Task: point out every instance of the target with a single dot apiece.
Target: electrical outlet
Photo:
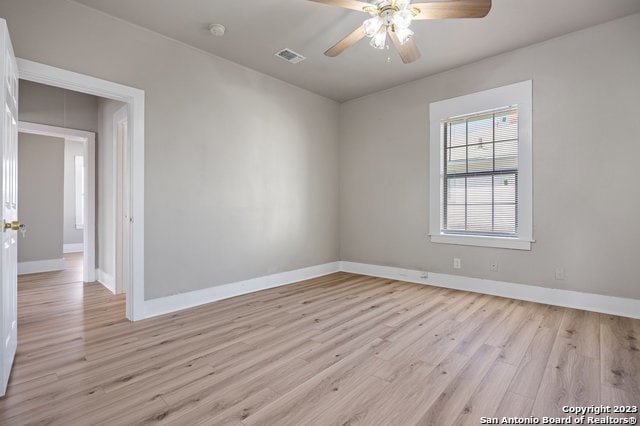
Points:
(424, 275)
(494, 266)
(457, 263)
(560, 275)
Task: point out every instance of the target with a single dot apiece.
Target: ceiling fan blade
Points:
(346, 42)
(408, 51)
(347, 4)
(452, 9)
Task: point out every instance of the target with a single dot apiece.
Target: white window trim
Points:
(78, 189)
(514, 94)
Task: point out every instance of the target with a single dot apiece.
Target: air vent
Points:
(290, 56)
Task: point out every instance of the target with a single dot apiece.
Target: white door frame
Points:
(45, 74)
(120, 203)
(88, 140)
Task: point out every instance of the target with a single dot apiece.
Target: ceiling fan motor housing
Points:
(386, 13)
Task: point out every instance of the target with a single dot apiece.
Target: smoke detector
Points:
(217, 30)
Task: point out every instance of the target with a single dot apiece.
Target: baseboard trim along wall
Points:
(551, 296)
(106, 280)
(36, 266)
(73, 248)
(570, 299)
(165, 305)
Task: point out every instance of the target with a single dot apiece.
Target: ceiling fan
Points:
(392, 18)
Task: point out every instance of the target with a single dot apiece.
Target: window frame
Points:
(518, 94)
(78, 190)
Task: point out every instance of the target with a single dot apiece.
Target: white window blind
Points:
(480, 174)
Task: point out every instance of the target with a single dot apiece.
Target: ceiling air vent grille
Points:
(290, 56)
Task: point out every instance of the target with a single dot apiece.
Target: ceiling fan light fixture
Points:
(372, 26)
(403, 18)
(404, 34)
(379, 40)
(397, 16)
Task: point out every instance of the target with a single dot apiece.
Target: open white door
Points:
(9, 189)
(122, 200)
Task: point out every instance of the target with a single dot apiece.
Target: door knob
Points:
(14, 226)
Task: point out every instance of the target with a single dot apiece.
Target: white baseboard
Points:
(570, 299)
(106, 280)
(36, 266)
(551, 296)
(73, 248)
(165, 305)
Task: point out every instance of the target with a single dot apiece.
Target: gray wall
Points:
(585, 143)
(40, 196)
(241, 172)
(57, 107)
(71, 234)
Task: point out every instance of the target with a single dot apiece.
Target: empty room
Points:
(319, 212)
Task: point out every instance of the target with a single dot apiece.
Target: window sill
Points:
(482, 241)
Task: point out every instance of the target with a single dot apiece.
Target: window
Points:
(480, 149)
(79, 191)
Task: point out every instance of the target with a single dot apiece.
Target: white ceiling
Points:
(257, 29)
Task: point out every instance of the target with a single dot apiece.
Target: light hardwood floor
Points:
(342, 349)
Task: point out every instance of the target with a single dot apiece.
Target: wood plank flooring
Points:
(342, 349)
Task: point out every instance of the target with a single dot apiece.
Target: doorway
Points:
(87, 139)
(133, 234)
